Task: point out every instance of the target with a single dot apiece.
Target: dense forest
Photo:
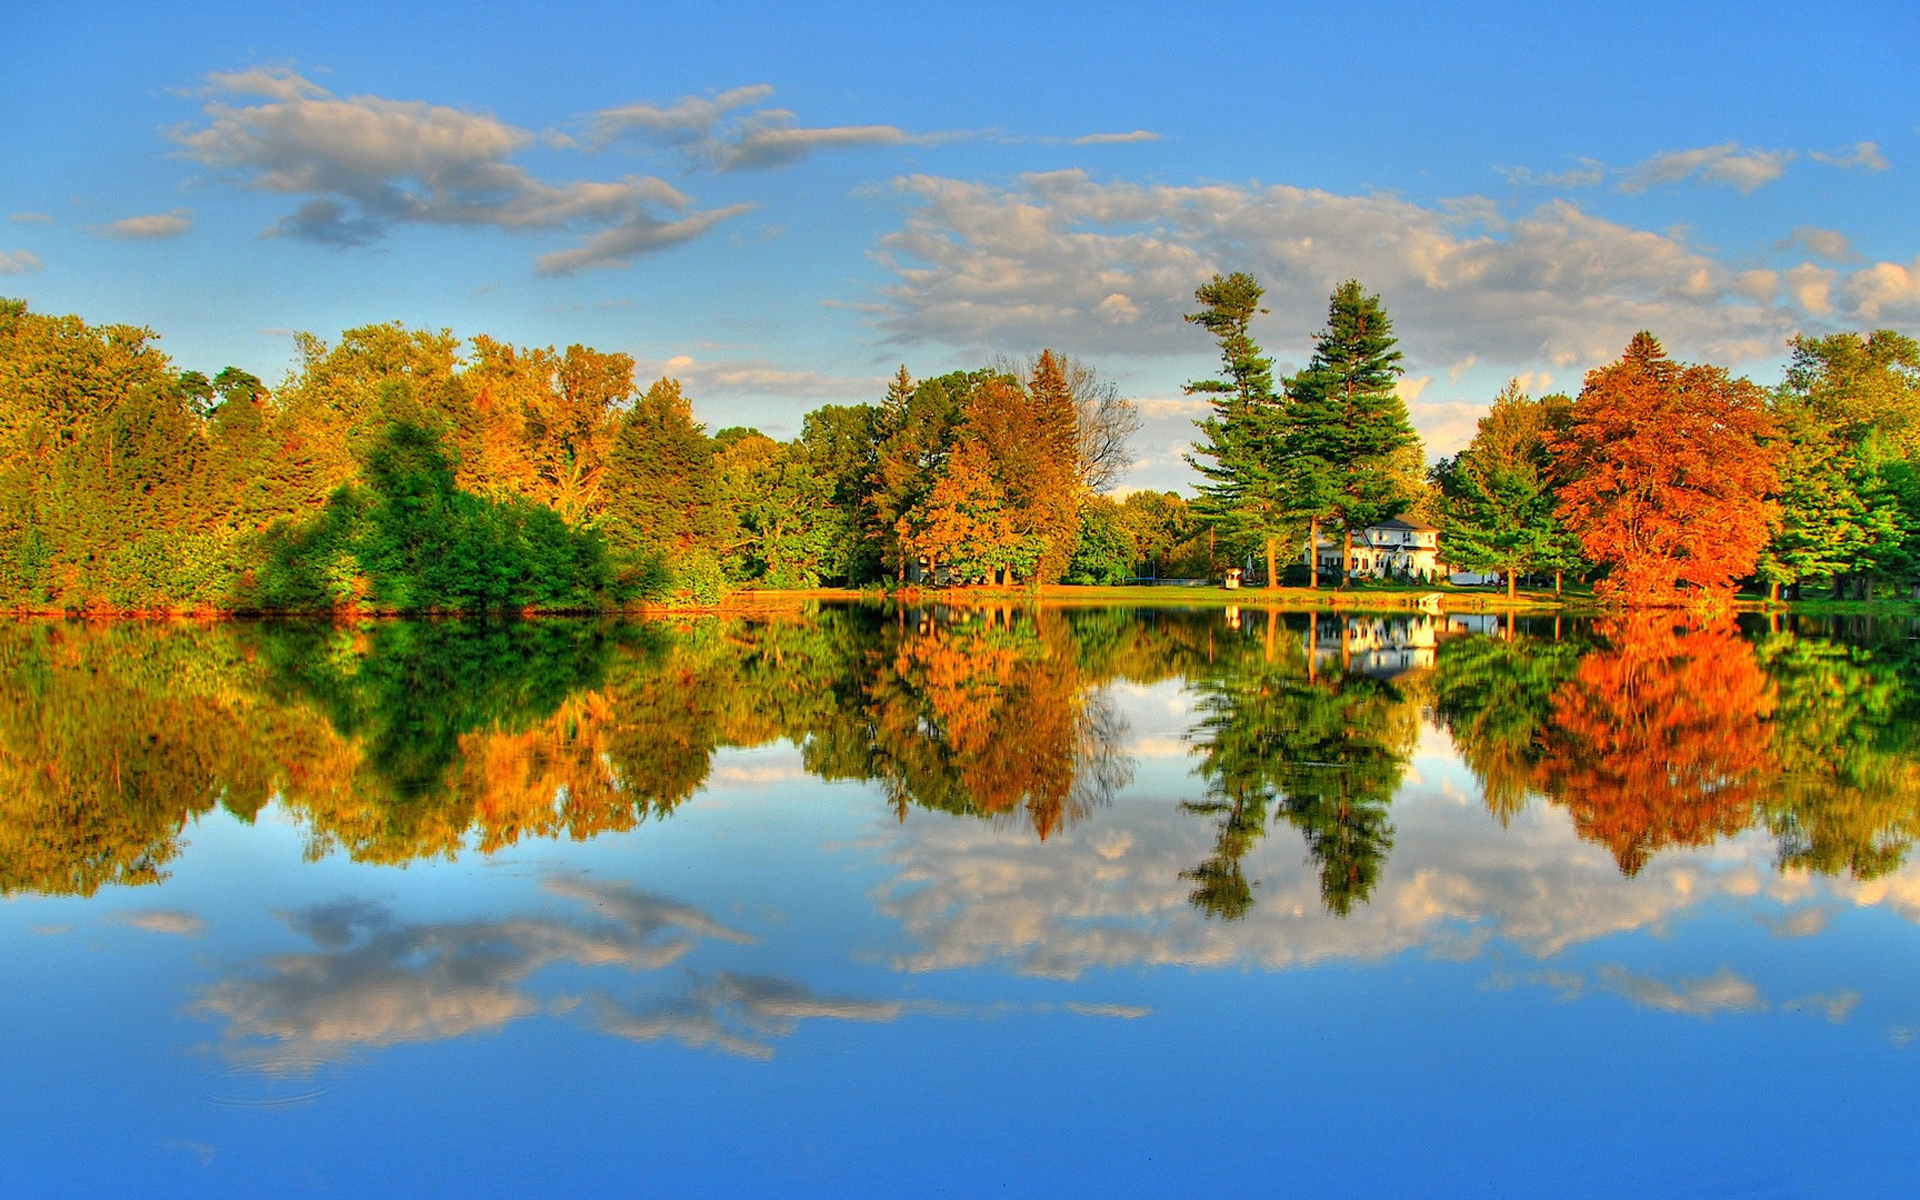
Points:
(399, 740)
(406, 470)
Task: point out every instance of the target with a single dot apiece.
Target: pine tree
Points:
(1241, 457)
(1346, 434)
(660, 476)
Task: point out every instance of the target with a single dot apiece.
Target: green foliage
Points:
(1850, 412)
(1105, 552)
(1249, 493)
(409, 541)
(698, 579)
(1498, 497)
(1354, 452)
(660, 477)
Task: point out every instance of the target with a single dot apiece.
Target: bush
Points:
(698, 579)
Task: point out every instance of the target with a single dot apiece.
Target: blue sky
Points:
(779, 205)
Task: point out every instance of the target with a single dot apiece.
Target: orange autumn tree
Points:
(1667, 476)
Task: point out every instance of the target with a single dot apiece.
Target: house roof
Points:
(1403, 521)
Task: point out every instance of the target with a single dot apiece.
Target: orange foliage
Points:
(1667, 475)
(1662, 739)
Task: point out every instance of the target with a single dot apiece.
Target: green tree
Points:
(1851, 407)
(1498, 493)
(1246, 493)
(1354, 453)
(660, 486)
(1105, 551)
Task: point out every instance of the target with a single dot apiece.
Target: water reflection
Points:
(373, 980)
(395, 741)
(1655, 735)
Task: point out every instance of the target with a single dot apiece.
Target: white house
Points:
(1401, 546)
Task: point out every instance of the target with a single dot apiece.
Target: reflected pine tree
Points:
(1326, 750)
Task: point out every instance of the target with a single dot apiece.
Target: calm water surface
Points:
(896, 903)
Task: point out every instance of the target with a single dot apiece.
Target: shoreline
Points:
(1286, 599)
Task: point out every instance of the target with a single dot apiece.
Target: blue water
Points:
(786, 987)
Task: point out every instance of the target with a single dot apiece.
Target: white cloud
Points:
(165, 920)
(1409, 387)
(982, 268)
(1721, 992)
(769, 146)
(686, 119)
(373, 981)
(1884, 286)
(18, 262)
(1760, 285)
(1116, 139)
(1827, 243)
(1864, 156)
(639, 234)
(367, 164)
(731, 132)
(31, 218)
(1587, 174)
(735, 1013)
(1811, 287)
(1728, 163)
(1162, 407)
(1446, 426)
(1836, 1008)
(758, 377)
(151, 227)
(279, 83)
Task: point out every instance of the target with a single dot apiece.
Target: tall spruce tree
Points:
(660, 476)
(1346, 433)
(1246, 492)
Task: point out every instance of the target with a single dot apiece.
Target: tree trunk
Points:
(1346, 556)
(1273, 574)
(1773, 593)
(1313, 551)
(1512, 580)
(1556, 583)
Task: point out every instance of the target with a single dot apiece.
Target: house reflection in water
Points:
(1386, 647)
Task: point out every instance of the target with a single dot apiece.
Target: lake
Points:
(871, 901)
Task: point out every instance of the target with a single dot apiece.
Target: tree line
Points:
(406, 470)
(1661, 482)
(402, 469)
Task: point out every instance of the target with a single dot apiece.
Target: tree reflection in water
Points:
(399, 740)
(1664, 734)
(1324, 746)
